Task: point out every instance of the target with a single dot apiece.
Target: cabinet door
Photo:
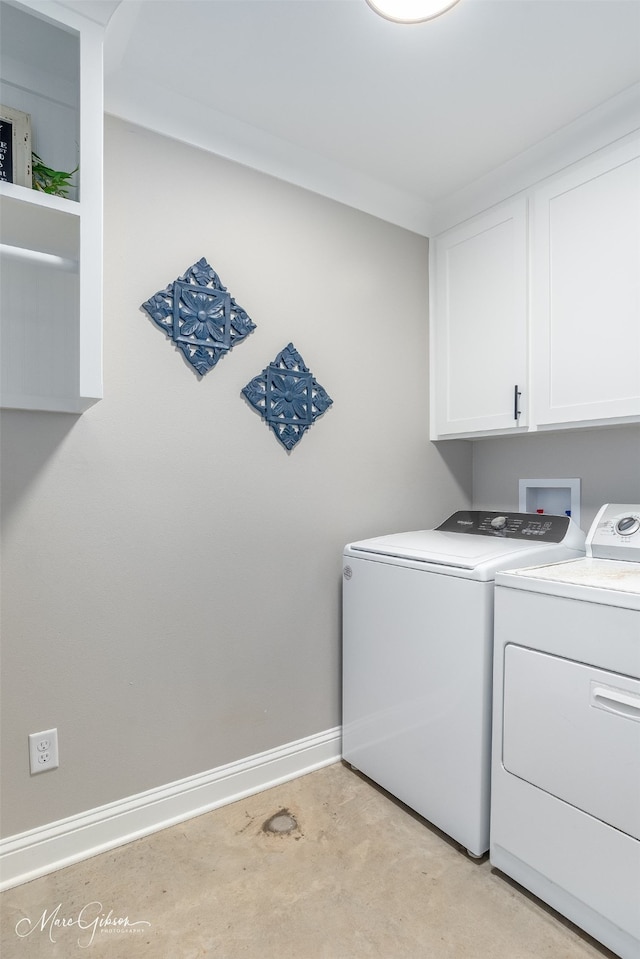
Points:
(479, 324)
(586, 291)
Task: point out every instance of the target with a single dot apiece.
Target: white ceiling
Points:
(100, 11)
(413, 114)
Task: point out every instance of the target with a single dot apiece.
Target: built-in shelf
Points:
(50, 246)
(39, 222)
(35, 256)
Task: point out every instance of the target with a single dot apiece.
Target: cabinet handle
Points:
(616, 700)
(516, 404)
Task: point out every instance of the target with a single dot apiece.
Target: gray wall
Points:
(171, 575)
(607, 461)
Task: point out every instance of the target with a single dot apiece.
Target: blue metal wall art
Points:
(288, 396)
(197, 313)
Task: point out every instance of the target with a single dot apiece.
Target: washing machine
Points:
(417, 658)
(565, 791)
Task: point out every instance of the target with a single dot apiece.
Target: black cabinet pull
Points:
(516, 402)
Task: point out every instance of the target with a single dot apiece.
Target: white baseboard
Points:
(37, 852)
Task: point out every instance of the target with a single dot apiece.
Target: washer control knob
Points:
(627, 525)
(499, 522)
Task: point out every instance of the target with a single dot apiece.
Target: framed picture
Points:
(15, 146)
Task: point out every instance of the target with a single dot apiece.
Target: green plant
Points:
(47, 180)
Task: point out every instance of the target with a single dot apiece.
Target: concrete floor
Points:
(361, 876)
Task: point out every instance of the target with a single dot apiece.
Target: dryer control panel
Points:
(534, 527)
(615, 533)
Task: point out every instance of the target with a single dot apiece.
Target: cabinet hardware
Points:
(516, 402)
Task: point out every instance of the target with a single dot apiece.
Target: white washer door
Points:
(574, 731)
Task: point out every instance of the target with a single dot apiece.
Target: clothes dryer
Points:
(565, 791)
(417, 658)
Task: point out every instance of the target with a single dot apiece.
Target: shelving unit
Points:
(51, 247)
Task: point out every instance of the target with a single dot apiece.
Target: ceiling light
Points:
(410, 11)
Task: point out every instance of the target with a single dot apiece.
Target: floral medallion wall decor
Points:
(288, 397)
(199, 316)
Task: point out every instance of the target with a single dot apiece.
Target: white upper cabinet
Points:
(552, 305)
(51, 246)
(479, 324)
(585, 291)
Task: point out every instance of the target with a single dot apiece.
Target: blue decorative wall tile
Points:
(288, 397)
(197, 313)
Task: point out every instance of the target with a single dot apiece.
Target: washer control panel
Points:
(615, 533)
(534, 527)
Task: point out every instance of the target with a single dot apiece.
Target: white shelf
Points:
(42, 259)
(37, 221)
(36, 198)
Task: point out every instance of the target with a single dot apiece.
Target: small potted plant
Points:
(54, 182)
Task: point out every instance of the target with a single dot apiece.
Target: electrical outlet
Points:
(43, 751)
